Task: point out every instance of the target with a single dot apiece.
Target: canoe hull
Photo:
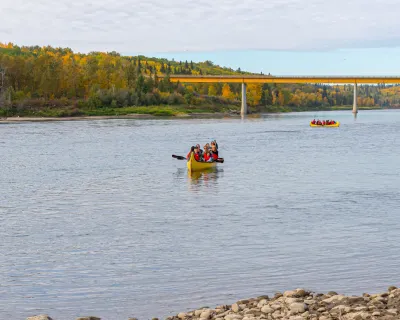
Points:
(194, 165)
(337, 124)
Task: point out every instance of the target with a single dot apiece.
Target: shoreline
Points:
(128, 116)
(205, 115)
(298, 304)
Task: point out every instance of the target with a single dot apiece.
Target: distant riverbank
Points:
(154, 112)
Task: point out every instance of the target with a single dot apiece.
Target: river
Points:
(97, 218)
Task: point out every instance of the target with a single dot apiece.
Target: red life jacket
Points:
(206, 157)
(215, 155)
(197, 156)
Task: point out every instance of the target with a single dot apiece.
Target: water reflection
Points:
(205, 178)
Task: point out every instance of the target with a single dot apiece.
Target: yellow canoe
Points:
(337, 124)
(194, 165)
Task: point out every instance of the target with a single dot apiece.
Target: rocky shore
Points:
(298, 304)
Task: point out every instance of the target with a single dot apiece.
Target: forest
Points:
(47, 81)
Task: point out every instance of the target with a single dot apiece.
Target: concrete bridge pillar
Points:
(243, 110)
(355, 107)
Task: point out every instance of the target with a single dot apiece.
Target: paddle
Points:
(220, 160)
(178, 157)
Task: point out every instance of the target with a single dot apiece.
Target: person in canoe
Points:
(214, 151)
(190, 152)
(197, 155)
(200, 151)
(314, 122)
(207, 156)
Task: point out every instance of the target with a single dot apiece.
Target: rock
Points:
(262, 303)
(395, 292)
(206, 314)
(277, 315)
(243, 302)
(359, 315)
(233, 317)
(335, 298)
(40, 317)
(332, 293)
(197, 313)
(264, 297)
(309, 302)
(278, 295)
(292, 300)
(289, 294)
(392, 311)
(391, 288)
(376, 314)
(235, 307)
(297, 307)
(362, 308)
(276, 306)
(321, 310)
(182, 315)
(296, 318)
(300, 293)
(88, 318)
(381, 299)
(254, 312)
(267, 310)
(341, 309)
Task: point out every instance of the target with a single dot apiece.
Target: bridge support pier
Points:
(355, 107)
(243, 110)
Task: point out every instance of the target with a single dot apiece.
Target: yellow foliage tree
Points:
(212, 91)
(226, 92)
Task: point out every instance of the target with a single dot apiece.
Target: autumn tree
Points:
(212, 91)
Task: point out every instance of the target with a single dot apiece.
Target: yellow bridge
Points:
(245, 79)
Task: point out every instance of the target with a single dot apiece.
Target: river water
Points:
(97, 218)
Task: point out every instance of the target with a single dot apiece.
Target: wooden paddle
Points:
(220, 160)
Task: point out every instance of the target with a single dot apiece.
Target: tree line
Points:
(33, 77)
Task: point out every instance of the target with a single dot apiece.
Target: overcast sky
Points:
(176, 26)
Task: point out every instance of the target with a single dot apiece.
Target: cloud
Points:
(202, 25)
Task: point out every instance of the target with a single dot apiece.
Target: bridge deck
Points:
(286, 79)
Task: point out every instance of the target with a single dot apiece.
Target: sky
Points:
(280, 37)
